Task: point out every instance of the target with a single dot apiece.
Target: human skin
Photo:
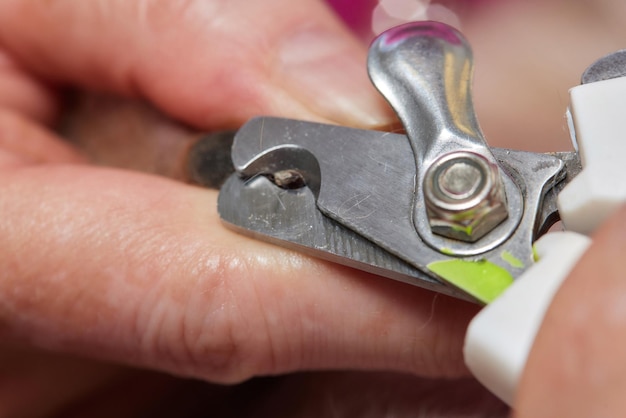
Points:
(136, 270)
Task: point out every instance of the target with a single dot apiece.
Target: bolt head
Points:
(464, 196)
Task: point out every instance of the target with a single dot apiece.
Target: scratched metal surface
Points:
(363, 180)
(290, 218)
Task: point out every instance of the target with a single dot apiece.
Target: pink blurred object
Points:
(367, 19)
(357, 14)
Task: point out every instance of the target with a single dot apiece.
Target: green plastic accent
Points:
(447, 251)
(482, 279)
(535, 254)
(512, 260)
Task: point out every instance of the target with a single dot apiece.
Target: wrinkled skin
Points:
(121, 294)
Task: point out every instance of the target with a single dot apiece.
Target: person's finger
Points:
(272, 278)
(22, 142)
(377, 313)
(138, 269)
(25, 100)
(576, 367)
(23, 94)
(211, 63)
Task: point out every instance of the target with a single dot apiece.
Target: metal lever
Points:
(424, 71)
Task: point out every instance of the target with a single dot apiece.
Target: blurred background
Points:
(528, 54)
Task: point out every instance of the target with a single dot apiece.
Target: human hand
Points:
(137, 270)
(111, 264)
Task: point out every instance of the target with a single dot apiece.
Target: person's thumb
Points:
(213, 64)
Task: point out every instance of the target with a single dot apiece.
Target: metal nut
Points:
(464, 196)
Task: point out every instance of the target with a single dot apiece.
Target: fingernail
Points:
(328, 74)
